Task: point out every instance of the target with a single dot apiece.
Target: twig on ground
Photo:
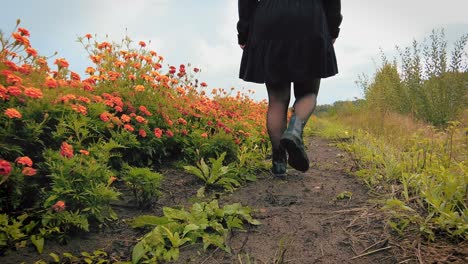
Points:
(373, 245)
(371, 252)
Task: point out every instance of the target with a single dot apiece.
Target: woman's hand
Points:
(242, 46)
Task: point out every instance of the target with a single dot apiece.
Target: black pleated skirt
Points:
(288, 41)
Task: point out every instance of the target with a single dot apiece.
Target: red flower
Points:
(88, 36)
(24, 32)
(142, 133)
(66, 150)
(142, 44)
(158, 132)
(169, 133)
(129, 127)
(13, 79)
(75, 76)
(61, 62)
(12, 113)
(59, 206)
(140, 119)
(182, 121)
(204, 135)
(32, 52)
(24, 161)
(5, 167)
(28, 171)
(125, 118)
(203, 84)
(105, 116)
(33, 92)
(13, 90)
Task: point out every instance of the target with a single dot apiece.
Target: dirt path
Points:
(302, 219)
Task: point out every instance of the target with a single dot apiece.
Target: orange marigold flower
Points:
(84, 99)
(169, 133)
(104, 45)
(140, 119)
(14, 90)
(142, 44)
(21, 39)
(204, 135)
(125, 118)
(32, 52)
(66, 150)
(96, 59)
(51, 82)
(24, 161)
(24, 32)
(158, 132)
(59, 206)
(84, 152)
(111, 180)
(129, 127)
(33, 92)
(12, 113)
(181, 121)
(28, 171)
(75, 76)
(139, 88)
(62, 63)
(105, 116)
(90, 70)
(13, 79)
(5, 167)
(118, 109)
(80, 109)
(142, 133)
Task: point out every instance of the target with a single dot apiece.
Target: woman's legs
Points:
(291, 140)
(306, 98)
(278, 102)
(279, 95)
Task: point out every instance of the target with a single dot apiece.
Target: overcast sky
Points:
(203, 33)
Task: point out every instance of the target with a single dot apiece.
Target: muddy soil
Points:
(304, 220)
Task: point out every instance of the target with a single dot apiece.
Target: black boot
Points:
(292, 142)
(279, 162)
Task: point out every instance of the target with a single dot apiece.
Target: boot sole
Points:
(295, 155)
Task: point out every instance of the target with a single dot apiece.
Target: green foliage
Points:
(144, 184)
(217, 144)
(82, 181)
(12, 231)
(205, 221)
(217, 175)
(96, 257)
(429, 87)
(424, 171)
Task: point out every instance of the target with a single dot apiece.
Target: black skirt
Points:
(288, 41)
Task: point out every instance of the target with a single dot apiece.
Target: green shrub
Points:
(144, 184)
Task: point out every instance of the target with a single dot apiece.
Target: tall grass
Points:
(419, 168)
(408, 137)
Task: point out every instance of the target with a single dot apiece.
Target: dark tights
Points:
(279, 95)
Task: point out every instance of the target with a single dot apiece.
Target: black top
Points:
(288, 40)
